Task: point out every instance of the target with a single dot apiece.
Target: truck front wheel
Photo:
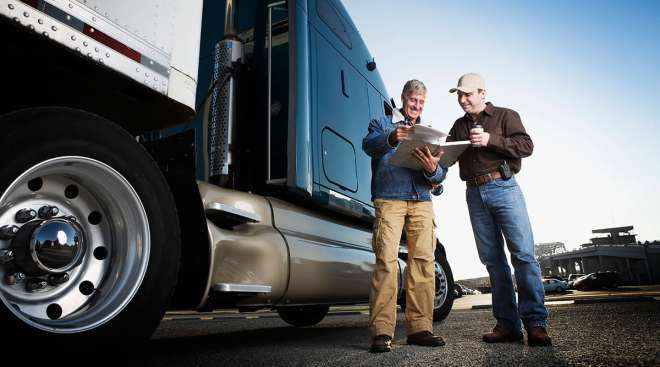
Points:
(89, 237)
(444, 285)
(303, 315)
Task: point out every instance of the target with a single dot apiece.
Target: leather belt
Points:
(482, 179)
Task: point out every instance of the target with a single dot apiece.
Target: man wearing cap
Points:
(402, 200)
(497, 208)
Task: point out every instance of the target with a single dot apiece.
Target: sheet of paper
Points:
(427, 134)
(404, 157)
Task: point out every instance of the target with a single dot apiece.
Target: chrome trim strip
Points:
(122, 34)
(270, 80)
(218, 207)
(245, 288)
(68, 34)
(277, 181)
(270, 62)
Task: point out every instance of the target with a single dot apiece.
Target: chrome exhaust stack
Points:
(224, 99)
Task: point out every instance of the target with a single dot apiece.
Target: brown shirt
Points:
(508, 141)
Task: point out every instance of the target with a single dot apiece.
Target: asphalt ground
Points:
(591, 334)
(620, 294)
(481, 301)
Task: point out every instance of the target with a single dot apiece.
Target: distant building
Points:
(548, 248)
(619, 251)
(615, 236)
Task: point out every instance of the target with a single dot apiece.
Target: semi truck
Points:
(166, 155)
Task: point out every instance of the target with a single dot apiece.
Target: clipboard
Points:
(403, 156)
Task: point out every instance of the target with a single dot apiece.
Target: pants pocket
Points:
(435, 227)
(376, 242)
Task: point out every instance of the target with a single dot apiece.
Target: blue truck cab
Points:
(324, 89)
(192, 155)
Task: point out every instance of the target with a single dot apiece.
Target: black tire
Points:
(303, 315)
(116, 311)
(444, 285)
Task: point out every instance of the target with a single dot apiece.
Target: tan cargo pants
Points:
(416, 217)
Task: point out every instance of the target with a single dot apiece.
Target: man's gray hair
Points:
(413, 86)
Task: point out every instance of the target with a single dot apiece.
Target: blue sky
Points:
(582, 74)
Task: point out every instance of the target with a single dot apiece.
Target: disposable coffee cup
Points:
(476, 129)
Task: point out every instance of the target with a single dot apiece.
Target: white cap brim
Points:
(463, 89)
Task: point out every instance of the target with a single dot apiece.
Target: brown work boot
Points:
(503, 335)
(425, 339)
(381, 344)
(538, 337)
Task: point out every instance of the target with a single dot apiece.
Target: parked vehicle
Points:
(606, 279)
(558, 277)
(458, 290)
(573, 277)
(463, 290)
(554, 285)
(475, 291)
(131, 184)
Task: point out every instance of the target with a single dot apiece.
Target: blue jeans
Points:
(498, 208)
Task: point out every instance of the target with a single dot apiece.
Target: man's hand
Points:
(428, 161)
(479, 138)
(399, 134)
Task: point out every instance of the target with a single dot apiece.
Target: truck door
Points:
(342, 104)
(341, 96)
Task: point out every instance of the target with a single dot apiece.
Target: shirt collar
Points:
(489, 110)
(406, 120)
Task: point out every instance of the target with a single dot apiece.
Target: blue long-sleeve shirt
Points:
(394, 182)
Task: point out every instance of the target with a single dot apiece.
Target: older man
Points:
(497, 208)
(402, 200)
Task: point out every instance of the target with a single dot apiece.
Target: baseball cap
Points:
(469, 83)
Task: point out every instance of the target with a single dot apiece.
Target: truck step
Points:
(242, 288)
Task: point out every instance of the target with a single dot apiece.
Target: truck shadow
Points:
(269, 346)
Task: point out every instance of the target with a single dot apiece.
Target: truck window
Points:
(279, 75)
(262, 149)
(387, 109)
(330, 16)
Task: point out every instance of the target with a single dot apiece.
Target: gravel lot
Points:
(599, 334)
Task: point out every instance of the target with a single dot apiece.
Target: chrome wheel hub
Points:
(52, 246)
(74, 244)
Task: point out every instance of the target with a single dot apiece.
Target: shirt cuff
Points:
(387, 140)
(438, 176)
(495, 141)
